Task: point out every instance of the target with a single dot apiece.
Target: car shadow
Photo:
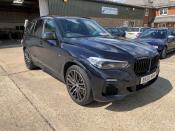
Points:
(169, 55)
(9, 44)
(141, 98)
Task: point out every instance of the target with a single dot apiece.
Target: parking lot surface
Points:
(34, 101)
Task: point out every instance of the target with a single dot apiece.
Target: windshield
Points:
(73, 28)
(133, 30)
(156, 34)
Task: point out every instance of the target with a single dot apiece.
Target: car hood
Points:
(112, 46)
(151, 41)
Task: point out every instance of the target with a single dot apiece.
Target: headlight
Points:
(107, 63)
(156, 47)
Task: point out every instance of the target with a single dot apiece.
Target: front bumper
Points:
(117, 84)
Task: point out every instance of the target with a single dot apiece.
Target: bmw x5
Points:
(83, 55)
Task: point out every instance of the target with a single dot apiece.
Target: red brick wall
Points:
(171, 11)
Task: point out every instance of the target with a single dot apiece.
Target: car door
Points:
(29, 38)
(37, 41)
(171, 40)
(50, 48)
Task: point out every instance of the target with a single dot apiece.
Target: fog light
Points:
(111, 80)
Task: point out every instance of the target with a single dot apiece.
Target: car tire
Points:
(28, 60)
(78, 85)
(164, 53)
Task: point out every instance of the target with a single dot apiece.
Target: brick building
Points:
(160, 13)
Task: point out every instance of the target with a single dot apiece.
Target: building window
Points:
(164, 11)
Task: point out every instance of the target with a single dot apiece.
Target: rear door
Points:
(29, 39)
(37, 41)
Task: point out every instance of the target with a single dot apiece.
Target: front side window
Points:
(50, 26)
(163, 11)
(73, 28)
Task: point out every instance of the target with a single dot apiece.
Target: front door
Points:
(171, 43)
(51, 50)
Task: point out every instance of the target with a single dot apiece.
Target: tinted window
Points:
(113, 30)
(172, 32)
(50, 26)
(156, 34)
(143, 29)
(133, 30)
(30, 27)
(71, 28)
(38, 28)
(124, 29)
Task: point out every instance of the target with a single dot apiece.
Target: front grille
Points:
(144, 65)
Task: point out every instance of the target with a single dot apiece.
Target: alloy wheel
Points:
(76, 85)
(27, 57)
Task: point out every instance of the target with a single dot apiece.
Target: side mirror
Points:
(171, 38)
(49, 36)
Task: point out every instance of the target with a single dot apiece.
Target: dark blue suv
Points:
(81, 53)
(163, 39)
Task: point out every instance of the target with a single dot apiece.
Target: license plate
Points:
(148, 78)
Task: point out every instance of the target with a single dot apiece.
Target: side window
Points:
(30, 27)
(173, 32)
(38, 28)
(50, 26)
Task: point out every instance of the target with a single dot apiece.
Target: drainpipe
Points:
(43, 7)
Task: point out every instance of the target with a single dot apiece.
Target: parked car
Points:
(162, 39)
(134, 32)
(116, 32)
(124, 29)
(81, 53)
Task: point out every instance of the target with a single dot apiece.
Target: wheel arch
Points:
(71, 63)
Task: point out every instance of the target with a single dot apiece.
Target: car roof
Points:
(160, 29)
(64, 17)
(139, 27)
